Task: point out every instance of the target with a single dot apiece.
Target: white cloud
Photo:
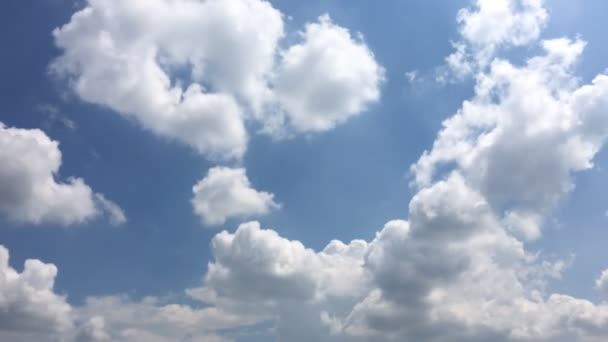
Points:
(29, 309)
(55, 116)
(116, 54)
(411, 76)
(490, 26)
(255, 271)
(425, 279)
(259, 265)
(118, 318)
(193, 71)
(524, 133)
(29, 191)
(327, 78)
(602, 283)
(115, 214)
(457, 269)
(225, 193)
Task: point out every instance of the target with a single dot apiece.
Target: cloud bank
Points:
(458, 269)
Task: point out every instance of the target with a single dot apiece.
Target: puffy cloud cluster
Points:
(524, 133)
(457, 270)
(118, 318)
(193, 71)
(449, 273)
(29, 309)
(29, 191)
(226, 193)
(491, 25)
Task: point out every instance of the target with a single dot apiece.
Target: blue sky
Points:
(342, 183)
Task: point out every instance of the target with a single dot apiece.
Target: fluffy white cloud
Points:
(226, 193)
(457, 269)
(29, 191)
(524, 133)
(29, 309)
(118, 318)
(194, 70)
(257, 272)
(491, 25)
(117, 54)
(260, 265)
(327, 78)
(450, 273)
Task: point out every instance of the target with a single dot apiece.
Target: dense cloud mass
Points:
(226, 193)
(29, 191)
(602, 283)
(458, 269)
(193, 71)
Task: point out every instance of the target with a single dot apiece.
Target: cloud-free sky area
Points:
(324, 170)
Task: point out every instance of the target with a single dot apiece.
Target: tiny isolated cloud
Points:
(30, 191)
(411, 75)
(601, 283)
(55, 117)
(225, 193)
(114, 213)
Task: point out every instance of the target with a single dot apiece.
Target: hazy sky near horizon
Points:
(250, 170)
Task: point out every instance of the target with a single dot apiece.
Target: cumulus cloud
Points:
(193, 71)
(524, 133)
(491, 25)
(225, 193)
(327, 78)
(29, 190)
(119, 318)
(29, 309)
(458, 269)
(451, 273)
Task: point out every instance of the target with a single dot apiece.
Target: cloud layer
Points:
(458, 269)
